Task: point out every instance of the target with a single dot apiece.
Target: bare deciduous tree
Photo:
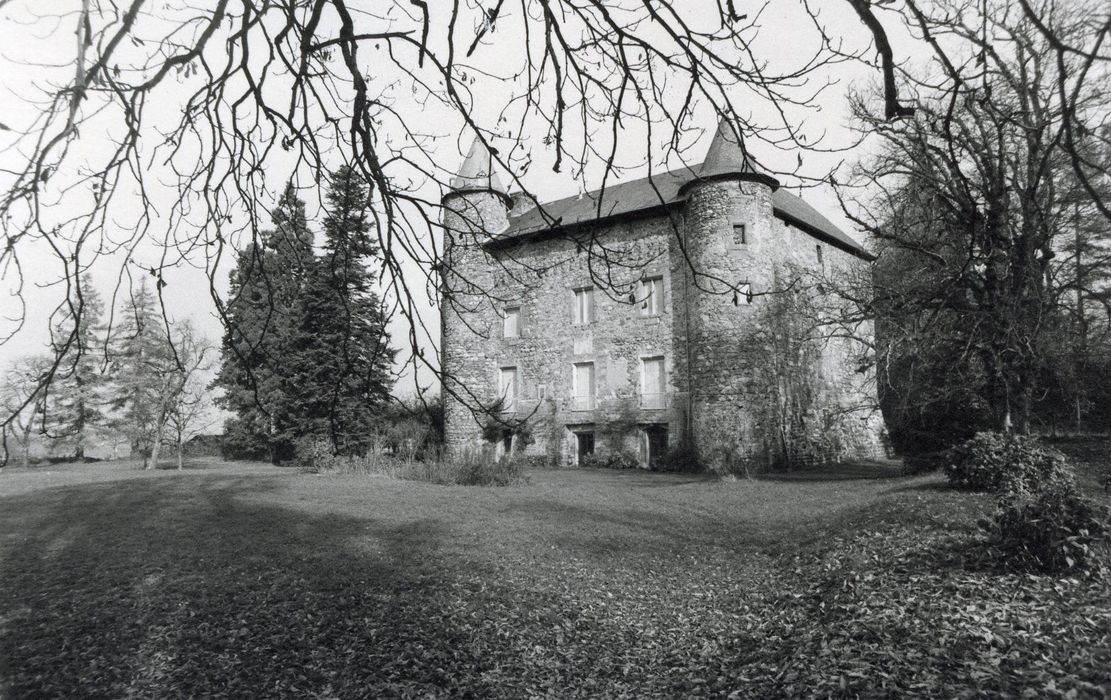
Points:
(971, 200)
(302, 86)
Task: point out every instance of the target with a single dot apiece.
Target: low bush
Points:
(471, 468)
(479, 469)
(998, 462)
(611, 460)
(924, 462)
(1050, 529)
(680, 458)
(314, 454)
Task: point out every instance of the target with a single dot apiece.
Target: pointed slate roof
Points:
(477, 171)
(726, 157)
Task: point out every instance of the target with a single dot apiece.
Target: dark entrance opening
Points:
(655, 445)
(584, 445)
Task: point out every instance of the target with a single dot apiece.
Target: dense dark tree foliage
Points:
(264, 317)
(342, 352)
(305, 353)
(974, 201)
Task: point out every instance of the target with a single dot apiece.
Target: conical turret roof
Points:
(727, 158)
(477, 170)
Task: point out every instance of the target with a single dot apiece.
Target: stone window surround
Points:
(742, 296)
(664, 389)
(505, 370)
(576, 317)
(746, 235)
(515, 309)
(660, 304)
(583, 401)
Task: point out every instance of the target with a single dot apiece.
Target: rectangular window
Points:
(541, 392)
(507, 388)
(653, 383)
(584, 306)
(743, 295)
(582, 382)
(740, 236)
(818, 248)
(651, 296)
(511, 322)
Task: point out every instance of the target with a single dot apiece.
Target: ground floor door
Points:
(655, 444)
(584, 445)
(505, 444)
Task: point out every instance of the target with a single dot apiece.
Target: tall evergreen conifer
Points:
(264, 320)
(344, 358)
(139, 361)
(76, 395)
(305, 353)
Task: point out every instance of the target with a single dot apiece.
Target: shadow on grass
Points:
(839, 472)
(178, 586)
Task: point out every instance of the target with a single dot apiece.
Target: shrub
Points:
(478, 469)
(611, 460)
(471, 468)
(1051, 529)
(998, 462)
(314, 454)
(924, 462)
(680, 458)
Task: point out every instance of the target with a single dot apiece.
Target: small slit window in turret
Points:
(740, 235)
(742, 296)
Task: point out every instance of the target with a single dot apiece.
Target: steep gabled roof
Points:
(660, 192)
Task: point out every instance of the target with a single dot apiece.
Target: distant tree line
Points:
(139, 384)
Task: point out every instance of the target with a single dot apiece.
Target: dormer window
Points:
(740, 235)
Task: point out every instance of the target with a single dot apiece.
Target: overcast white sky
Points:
(32, 52)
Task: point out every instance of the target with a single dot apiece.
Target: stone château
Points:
(679, 312)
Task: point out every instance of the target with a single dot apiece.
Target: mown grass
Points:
(240, 579)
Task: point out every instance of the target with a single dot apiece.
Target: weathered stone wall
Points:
(768, 387)
(540, 277)
(741, 390)
(465, 310)
(720, 364)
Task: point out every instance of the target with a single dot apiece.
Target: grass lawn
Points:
(244, 579)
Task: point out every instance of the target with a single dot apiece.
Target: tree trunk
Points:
(180, 449)
(160, 426)
(27, 443)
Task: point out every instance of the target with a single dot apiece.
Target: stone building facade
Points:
(682, 316)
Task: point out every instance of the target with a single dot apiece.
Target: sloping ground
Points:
(251, 580)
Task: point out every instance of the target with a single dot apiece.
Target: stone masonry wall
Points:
(728, 387)
(768, 390)
(465, 307)
(540, 277)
